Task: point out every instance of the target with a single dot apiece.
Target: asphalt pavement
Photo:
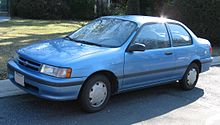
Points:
(162, 105)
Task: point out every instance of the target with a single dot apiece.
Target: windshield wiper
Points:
(69, 38)
(88, 43)
(82, 41)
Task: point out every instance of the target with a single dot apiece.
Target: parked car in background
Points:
(111, 55)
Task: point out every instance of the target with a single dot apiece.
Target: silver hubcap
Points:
(192, 76)
(98, 94)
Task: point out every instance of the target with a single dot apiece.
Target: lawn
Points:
(18, 32)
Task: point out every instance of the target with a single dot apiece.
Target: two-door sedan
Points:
(110, 55)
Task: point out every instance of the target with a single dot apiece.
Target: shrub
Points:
(53, 9)
(82, 9)
(13, 6)
(133, 7)
(117, 9)
(43, 9)
(202, 16)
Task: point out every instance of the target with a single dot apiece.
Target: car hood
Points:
(57, 51)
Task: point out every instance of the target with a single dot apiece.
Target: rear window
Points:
(180, 36)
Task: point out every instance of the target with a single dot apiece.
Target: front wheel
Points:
(95, 93)
(190, 77)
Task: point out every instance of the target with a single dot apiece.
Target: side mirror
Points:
(136, 47)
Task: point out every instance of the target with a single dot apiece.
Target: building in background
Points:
(4, 7)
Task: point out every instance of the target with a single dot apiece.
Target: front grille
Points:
(29, 64)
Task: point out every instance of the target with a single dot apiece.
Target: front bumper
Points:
(44, 86)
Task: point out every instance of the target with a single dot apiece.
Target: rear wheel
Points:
(95, 93)
(190, 77)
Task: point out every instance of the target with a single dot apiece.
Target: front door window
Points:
(154, 36)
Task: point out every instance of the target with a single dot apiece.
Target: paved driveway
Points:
(165, 105)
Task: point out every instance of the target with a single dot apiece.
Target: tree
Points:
(133, 7)
(202, 16)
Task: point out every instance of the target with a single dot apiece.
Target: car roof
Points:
(140, 20)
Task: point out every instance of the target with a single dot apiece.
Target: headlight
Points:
(56, 71)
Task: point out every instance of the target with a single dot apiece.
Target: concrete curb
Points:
(216, 61)
(9, 89)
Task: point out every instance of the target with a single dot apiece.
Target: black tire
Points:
(84, 99)
(184, 83)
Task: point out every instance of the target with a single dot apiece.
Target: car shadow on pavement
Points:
(126, 108)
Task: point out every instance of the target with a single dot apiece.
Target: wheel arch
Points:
(197, 62)
(110, 75)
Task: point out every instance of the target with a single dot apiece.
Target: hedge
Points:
(53, 9)
(82, 9)
(202, 16)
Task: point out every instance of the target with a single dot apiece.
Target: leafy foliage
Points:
(117, 9)
(53, 9)
(133, 7)
(82, 9)
(43, 9)
(202, 16)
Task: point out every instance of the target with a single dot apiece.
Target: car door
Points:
(155, 64)
(183, 47)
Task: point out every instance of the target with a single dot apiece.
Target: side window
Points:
(154, 36)
(180, 36)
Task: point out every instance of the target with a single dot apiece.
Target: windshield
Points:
(105, 32)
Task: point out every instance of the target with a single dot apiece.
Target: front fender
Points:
(110, 61)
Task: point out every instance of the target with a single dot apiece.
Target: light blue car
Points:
(111, 55)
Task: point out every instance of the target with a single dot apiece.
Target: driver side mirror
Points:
(136, 47)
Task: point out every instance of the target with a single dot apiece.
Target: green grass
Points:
(18, 32)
